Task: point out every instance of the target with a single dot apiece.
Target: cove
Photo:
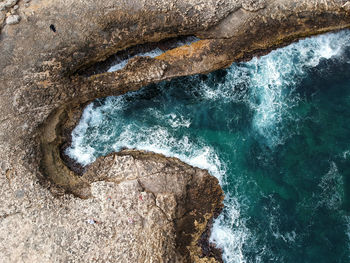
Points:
(275, 131)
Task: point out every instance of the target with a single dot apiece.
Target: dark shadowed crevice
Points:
(148, 49)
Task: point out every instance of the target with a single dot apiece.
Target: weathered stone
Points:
(253, 5)
(2, 17)
(346, 6)
(13, 19)
(121, 222)
(11, 3)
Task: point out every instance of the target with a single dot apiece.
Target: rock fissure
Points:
(161, 209)
(120, 59)
(9, 215)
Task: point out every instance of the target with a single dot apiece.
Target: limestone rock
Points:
(13, 19)
(346, 6)
(253, 5)
(123, 221)
(7, 4)
(2, 17)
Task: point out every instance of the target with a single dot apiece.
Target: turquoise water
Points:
(275, 131)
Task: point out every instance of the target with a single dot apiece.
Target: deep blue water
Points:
(275, 131)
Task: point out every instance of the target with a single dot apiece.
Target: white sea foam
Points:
(230, 232)
(266, 83)
(274, 219)
(80, 151)
(278, 72)
(158, 139)
(347, 223)
(174, 119)
(177, 120)
(332, 188)
(268, 78)
(118, 66)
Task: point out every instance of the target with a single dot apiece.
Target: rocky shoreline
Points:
(51, 212)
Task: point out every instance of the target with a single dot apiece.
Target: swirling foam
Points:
(266, 83)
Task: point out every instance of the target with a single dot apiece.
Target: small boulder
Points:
(7, 4)
(253, 5)
(346, 6)
(13, 19)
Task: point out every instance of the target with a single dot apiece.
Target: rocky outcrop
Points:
(185, 200)
(43, 46)
(139, 203)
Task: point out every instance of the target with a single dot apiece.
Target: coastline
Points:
(44, 93)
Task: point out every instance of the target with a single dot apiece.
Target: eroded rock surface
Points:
(139, 201)
(41, 97)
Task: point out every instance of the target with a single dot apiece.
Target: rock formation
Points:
(114, 212)
(143, 208)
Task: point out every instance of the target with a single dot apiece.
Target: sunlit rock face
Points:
(43, 47)
(138, 200)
